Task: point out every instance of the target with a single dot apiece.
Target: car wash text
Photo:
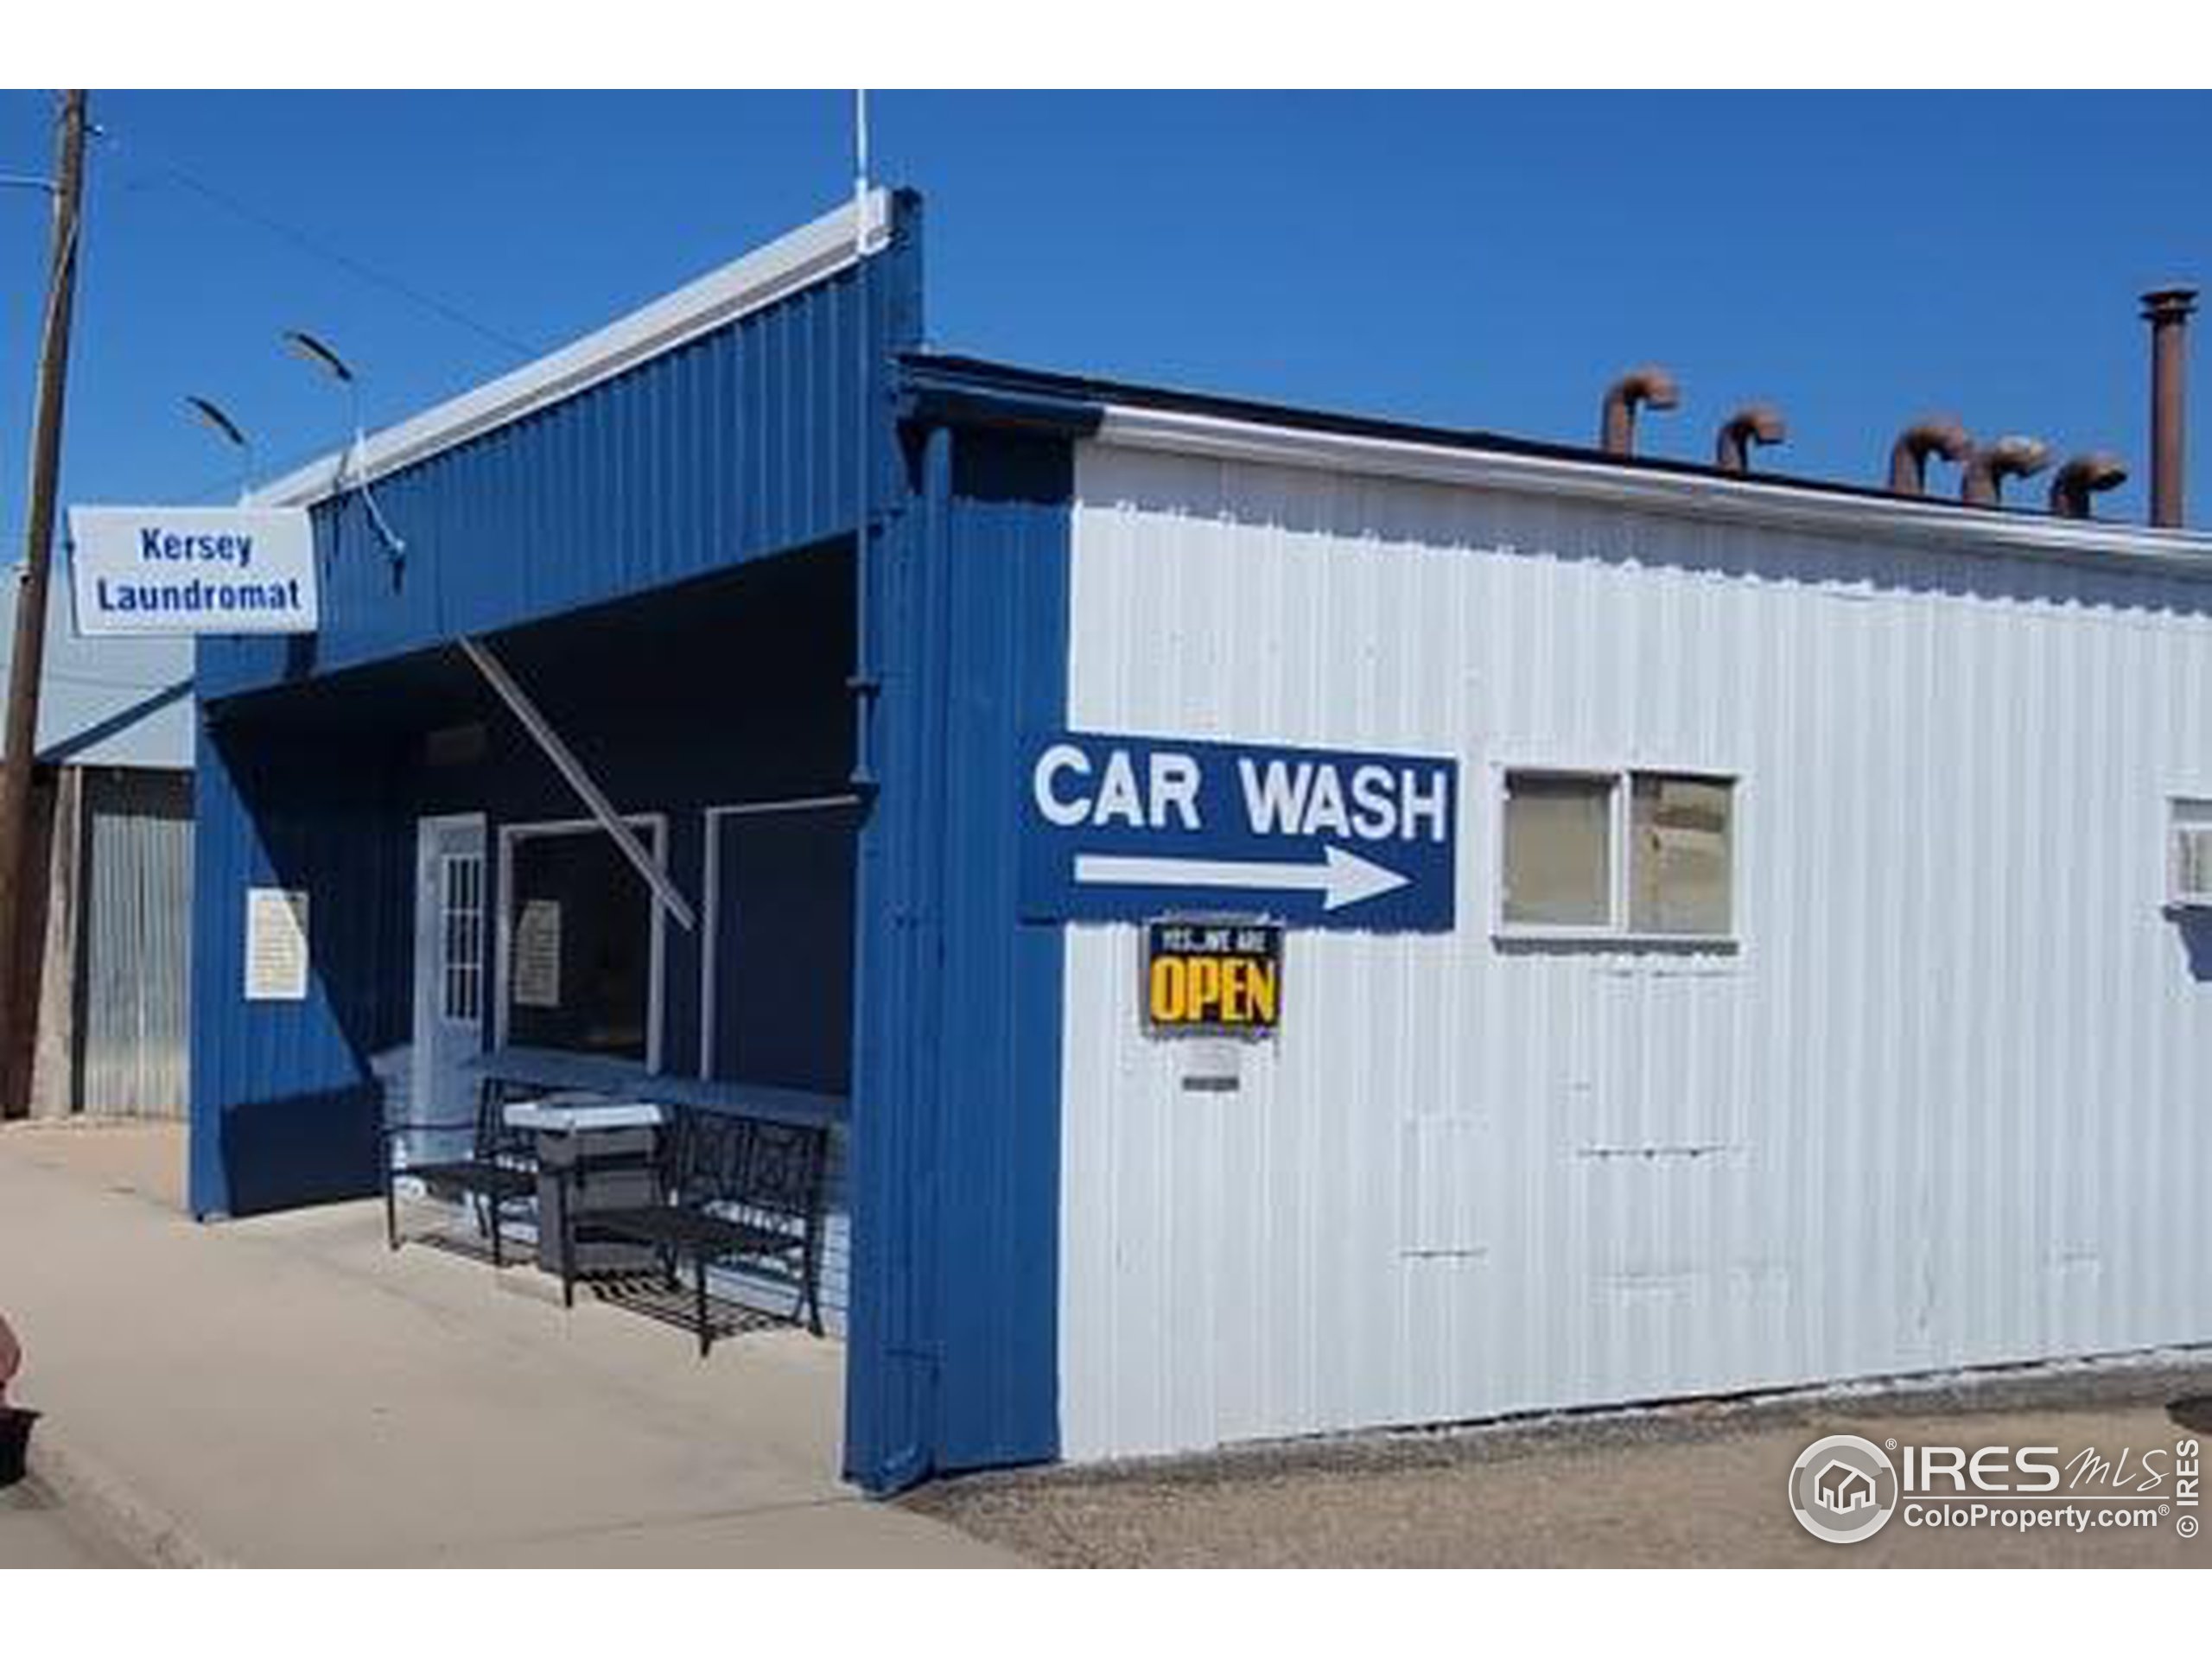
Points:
(1327, 837)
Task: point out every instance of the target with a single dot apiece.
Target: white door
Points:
(450, 934)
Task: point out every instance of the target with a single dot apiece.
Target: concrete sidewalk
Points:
(285, 1391)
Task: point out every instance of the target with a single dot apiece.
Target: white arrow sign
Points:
(1341, 878)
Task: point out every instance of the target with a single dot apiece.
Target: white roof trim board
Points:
(1771, 503)
(791, 262)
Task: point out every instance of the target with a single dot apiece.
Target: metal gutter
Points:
(1707, 496)
(929, 399)
(829, 243)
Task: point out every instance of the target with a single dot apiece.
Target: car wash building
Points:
(1301, 924)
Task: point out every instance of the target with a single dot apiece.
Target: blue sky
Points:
(1479, 259)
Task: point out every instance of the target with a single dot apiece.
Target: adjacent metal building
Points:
(105, 976)
(1810, 984)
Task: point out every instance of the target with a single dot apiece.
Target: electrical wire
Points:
(151, 167)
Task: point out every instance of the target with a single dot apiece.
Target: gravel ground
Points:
(1701, 1485)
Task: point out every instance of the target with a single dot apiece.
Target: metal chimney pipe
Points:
(2082, 477)
(1982, 483)
(1759, 423)
(1649, 385)
(2167, 311)
(1937, 435)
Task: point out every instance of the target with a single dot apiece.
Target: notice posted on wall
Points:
(538, 955)
(275, 945)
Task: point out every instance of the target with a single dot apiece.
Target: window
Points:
(462, 941)
(1678, 866)
(1628, 854)
(1559, 860)
(581, 938)
(2189, 878)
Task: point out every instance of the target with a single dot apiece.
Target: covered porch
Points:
(467, 914)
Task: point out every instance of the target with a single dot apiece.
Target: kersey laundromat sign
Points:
(170, 570)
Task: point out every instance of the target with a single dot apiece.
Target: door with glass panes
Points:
(450, 922)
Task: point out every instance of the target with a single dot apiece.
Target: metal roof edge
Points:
(64, 750)
(934, 395)
(795, 260)
(1671, 490)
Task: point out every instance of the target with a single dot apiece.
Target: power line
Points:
(151, 164)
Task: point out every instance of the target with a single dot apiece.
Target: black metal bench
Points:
(501, 1168)
(734, 1190)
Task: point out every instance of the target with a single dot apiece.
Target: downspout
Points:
(866, 682)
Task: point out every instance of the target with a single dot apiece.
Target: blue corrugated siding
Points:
(740, 443)
(955, 1147)
(285, 1108)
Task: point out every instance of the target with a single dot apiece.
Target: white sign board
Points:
(275, 945)
(538, 955)
(172, 571)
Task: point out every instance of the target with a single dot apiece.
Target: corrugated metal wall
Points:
(286, 1101)
(1943, 1105)
(955, 1136)
(135, 952)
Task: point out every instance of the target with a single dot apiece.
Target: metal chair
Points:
(501, 1168)
(738, 1189)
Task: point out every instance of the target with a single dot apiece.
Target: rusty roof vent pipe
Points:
(2167, 311)
(2084, 476)
(1982, 483)
(1649, 385)
(1759, 423)
(1938, 435)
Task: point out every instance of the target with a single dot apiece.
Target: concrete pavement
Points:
(35, 1531)
(285, 1391)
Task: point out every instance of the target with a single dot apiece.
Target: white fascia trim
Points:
(1919, 524)
(794, 261)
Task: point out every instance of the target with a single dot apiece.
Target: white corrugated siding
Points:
(1946, 1105)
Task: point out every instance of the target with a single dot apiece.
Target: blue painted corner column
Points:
(954, 1358)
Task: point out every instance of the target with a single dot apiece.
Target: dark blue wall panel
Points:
(285, 1109)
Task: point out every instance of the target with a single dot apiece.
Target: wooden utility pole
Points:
(24, 669)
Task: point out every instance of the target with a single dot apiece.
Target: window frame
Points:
(654, 826)
(1616, 930)
(2180, 802)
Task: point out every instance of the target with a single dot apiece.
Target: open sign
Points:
(1212, 977)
